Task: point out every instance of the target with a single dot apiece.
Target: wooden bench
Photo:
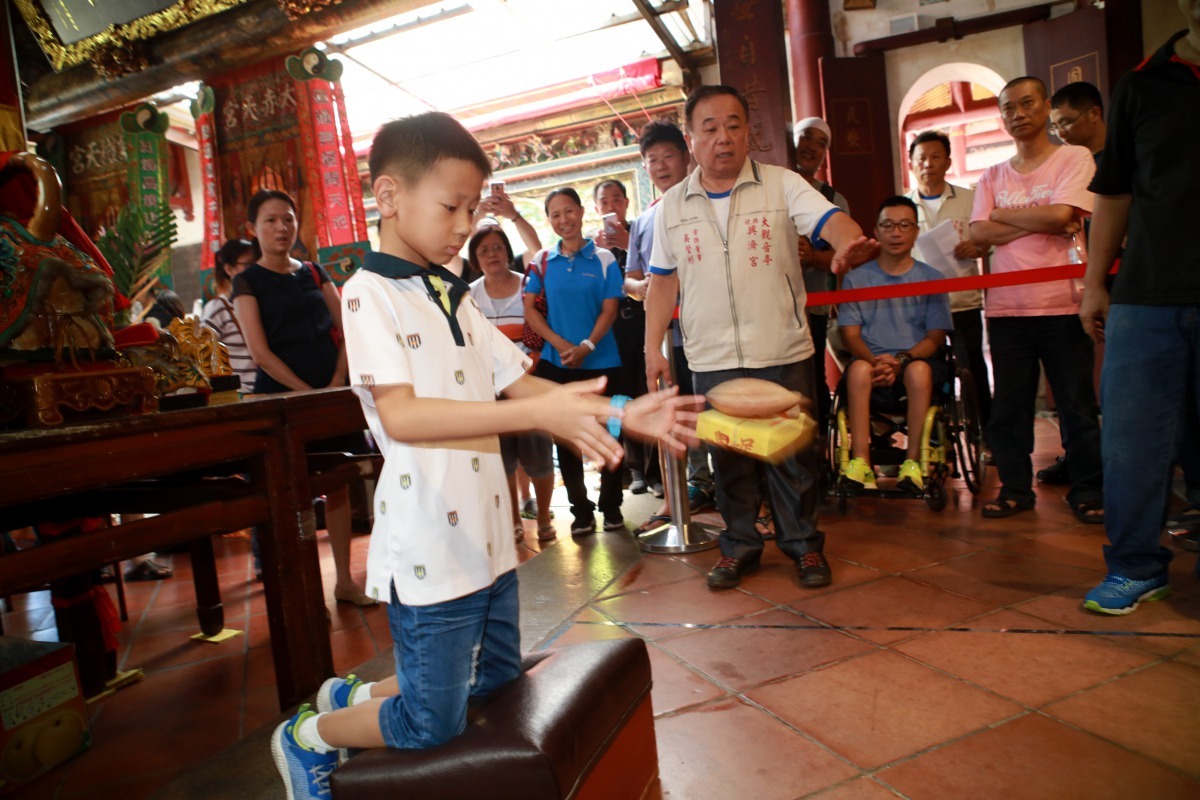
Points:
(577, 725)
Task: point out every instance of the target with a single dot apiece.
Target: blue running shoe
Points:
(1119, 595)
(335, 693)
(305, 772)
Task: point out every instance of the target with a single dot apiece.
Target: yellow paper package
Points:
(772, 439)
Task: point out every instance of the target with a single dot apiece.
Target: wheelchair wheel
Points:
(968, 432)
(836, 446)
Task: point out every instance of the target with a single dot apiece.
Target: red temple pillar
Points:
(811, 34)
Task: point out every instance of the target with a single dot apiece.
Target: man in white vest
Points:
(939, 202)
(726, 244)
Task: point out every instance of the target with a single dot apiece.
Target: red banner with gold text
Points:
(203, 109)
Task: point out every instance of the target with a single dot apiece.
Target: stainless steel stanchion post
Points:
(680, 535)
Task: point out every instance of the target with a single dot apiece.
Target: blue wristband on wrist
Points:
(614, 423)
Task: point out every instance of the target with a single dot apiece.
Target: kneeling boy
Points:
(427, 365)
(893, 342)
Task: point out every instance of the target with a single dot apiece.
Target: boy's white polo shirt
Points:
(443, 519)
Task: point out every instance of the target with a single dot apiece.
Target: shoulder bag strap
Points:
(312, 267)
(232, 315)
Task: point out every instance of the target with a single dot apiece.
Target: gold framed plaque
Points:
(71, 31)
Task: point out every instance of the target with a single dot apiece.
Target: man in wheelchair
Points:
(894, 344)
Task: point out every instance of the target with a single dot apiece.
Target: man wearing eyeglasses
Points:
(1077, 117)
(893, 343)
(1030, 210)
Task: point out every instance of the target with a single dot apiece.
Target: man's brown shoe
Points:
(728, 572)
(812, 570)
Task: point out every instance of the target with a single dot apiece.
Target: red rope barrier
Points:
(993, 281)
(1062, 272)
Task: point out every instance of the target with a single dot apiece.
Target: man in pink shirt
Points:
(1030, 209)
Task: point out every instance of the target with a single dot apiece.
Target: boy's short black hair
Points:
(712, 90)
(563, 190)
(929, 136)
(228, 256)
(410, 146)
(898, 200)
(602, 185)
(481, 234)
(1080, 96)
(660, 132)
(262, 196)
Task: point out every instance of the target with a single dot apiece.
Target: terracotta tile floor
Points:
(950, 659)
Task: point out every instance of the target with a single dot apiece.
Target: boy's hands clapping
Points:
(665, 416)
(571, 412)
(578, 413)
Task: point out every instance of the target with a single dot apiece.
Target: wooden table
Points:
(95, 468)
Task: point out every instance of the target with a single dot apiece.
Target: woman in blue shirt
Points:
(583, 286)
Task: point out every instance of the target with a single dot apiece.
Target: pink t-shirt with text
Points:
(1061, 180)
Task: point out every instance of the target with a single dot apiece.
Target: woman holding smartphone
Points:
(583, 286)
(497, 206)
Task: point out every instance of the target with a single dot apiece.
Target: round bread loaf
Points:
(754, 398)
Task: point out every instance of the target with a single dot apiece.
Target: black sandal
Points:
(656, 521)
(1006, 506)
(1086, 512)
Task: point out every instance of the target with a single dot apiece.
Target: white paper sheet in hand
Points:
(936, 248)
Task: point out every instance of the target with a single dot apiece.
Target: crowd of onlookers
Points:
(722, 265)
(585, 307)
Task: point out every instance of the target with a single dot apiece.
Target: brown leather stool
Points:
(577, 725)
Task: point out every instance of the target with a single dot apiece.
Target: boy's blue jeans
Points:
(1151, 358)
(446, 654)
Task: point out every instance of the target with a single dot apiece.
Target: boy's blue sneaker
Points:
(305, 772)
(1119, 595)
(334, 693)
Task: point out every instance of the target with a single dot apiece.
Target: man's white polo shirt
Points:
(443, 519)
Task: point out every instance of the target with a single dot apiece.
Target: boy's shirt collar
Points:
(398, 269)
(392, 267)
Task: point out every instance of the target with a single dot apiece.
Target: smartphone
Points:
(496, 187)
(611, 224)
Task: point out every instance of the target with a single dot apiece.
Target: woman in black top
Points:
(287, 310)
(285, 314)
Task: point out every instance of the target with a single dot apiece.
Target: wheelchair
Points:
(951, 439)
